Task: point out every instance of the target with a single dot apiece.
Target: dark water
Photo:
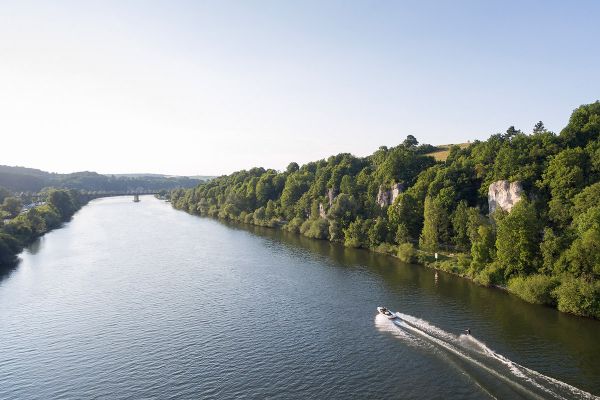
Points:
(137, 300)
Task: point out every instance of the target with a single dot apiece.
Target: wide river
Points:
(138, 300)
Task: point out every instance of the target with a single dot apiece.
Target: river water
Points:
(137, 300)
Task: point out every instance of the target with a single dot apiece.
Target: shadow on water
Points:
(7, 269)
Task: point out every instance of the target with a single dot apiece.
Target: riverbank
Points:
(19, 232)
(566, 294)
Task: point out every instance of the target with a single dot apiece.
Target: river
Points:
(138, 300)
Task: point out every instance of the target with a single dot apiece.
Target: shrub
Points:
(576, 296)
(535, 289)
(294, 225)
(386, 248)
(407, 252)
(492, 274)
(317, 229)
(305, 226)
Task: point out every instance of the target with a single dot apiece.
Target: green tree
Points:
(12, 206)
(517, 241)
(460, 225)
(539, 128)
(378, 232)
(435, 225)
(356, 234)
(410, 141)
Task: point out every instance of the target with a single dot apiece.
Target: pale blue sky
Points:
(212, 87)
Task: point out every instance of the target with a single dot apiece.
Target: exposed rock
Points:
(331, 195)
(383, 198)
(322, 212)
(387, 197)
(504, 195)
(397, 188)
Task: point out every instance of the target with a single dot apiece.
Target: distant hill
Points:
(21, 179)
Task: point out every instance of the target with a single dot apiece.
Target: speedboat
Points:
(386, 312)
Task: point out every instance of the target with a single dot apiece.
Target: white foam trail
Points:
(383, 324)
(448, 340)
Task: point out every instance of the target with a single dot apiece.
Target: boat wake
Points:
(495, 374)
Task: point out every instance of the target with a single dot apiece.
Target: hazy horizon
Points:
(181, 88)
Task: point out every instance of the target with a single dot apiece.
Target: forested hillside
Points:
(546, 248)
(20, 179)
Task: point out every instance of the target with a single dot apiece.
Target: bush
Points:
(576, 296)
(492, 274)
(316, 229)
(249, 218)
(535, 289)
(425, 258)
(336, 234)
(305, 226)
(386, 248)
(407, 252)
(294, 225)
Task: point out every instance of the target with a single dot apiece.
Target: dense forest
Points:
(19, 229)
(20, 179)
(545, 248)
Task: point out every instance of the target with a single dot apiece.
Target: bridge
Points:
(90, 195)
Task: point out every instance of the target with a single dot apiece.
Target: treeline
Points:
(20, 179)
(546, 249)
(18, 230)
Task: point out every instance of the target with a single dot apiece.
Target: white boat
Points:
(386, 312)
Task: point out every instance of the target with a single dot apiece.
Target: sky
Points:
(211, 87)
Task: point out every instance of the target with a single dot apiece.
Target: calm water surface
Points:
(137, 300)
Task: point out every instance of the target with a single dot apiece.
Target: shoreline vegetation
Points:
(19, 228)
(540, 239)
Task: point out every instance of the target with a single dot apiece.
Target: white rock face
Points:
(387, 197)
(331, 196)
(504, 195)
(322, 212)
(397, 188)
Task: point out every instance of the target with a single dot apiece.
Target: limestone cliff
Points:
(386, 197)
(504, 195)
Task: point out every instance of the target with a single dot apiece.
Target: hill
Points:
(21, 179)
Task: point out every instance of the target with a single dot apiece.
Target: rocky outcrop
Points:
(331, 195)
(386, 197)
(322, 212)
(504, 195)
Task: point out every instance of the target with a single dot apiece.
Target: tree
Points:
(460, 224)
(482, 247)
(62, 202)
(12, 206)
(539, 127)
(343, 209)
(517, 241)
(410, 141)
(565, 177)
(435, 225)
(292, 167)
(402, 234)
(378, 232)
(511, 132)
(356, 234)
